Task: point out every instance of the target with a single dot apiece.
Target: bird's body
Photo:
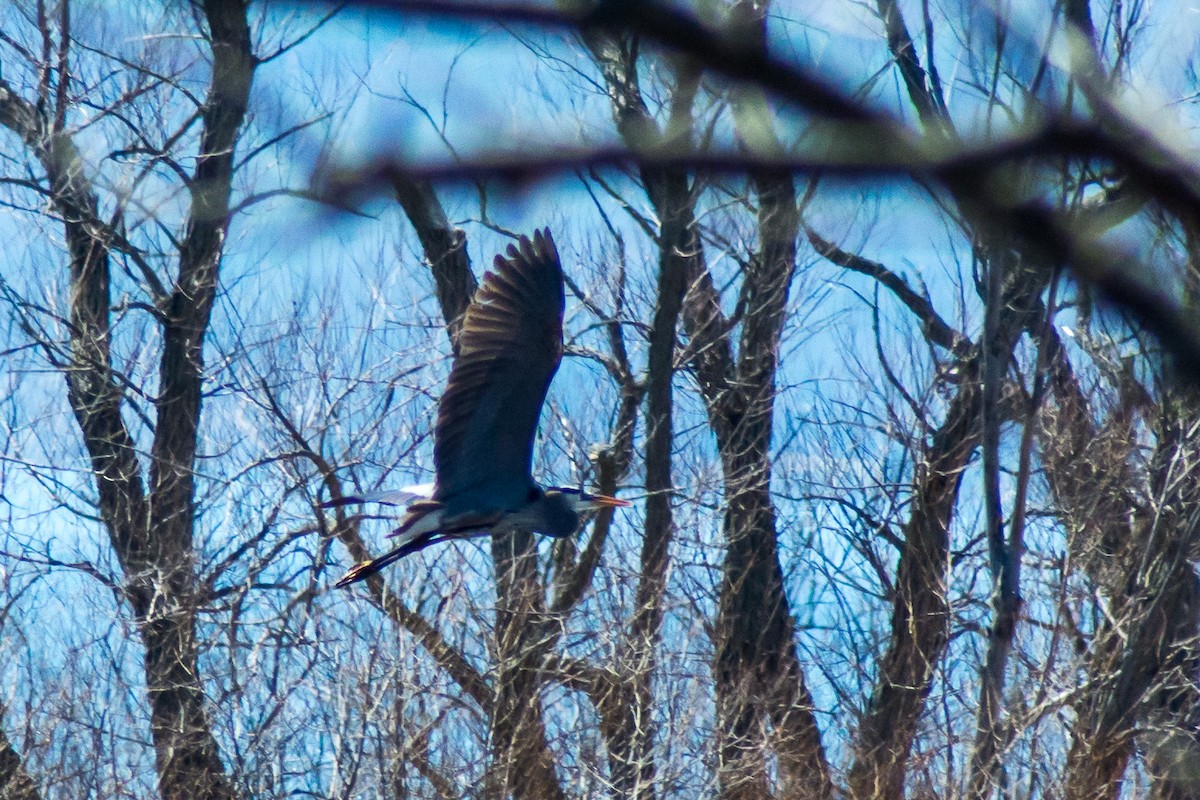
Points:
(508, 351)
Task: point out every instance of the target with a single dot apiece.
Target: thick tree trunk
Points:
(920, 613)
(759, 679)
(634, 760)
(522, 764)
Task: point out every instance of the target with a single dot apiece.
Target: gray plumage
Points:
(509, 348)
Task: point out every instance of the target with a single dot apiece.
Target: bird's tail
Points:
(342, 501)
(417, 530)
(368, 568)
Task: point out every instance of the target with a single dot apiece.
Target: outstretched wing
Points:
(508, 351)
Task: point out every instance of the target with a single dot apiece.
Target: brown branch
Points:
(933, 326)
(1152, 165)
(445, 249)
(924, 95)
(1154, 169)
(990, 733)
(612, 694)
(570, 587)
(416, 751)
(630, 756)
(612, 461)
(669, 27)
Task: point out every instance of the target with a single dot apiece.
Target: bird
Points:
(509, 348)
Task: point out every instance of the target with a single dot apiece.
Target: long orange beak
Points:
(605, 501)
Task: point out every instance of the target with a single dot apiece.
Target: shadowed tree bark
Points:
(1135, 548)
(445, 249)
(15, 782)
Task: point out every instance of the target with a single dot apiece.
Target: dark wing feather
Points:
(508, 351)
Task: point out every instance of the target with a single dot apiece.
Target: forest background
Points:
(881, 312)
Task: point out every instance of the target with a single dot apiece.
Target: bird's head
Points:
(560, 511)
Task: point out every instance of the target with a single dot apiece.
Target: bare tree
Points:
(147, 506)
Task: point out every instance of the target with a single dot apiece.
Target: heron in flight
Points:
(508, 351)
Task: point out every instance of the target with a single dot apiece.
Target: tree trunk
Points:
(522, 764)
(920, 614)
(15, 782)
